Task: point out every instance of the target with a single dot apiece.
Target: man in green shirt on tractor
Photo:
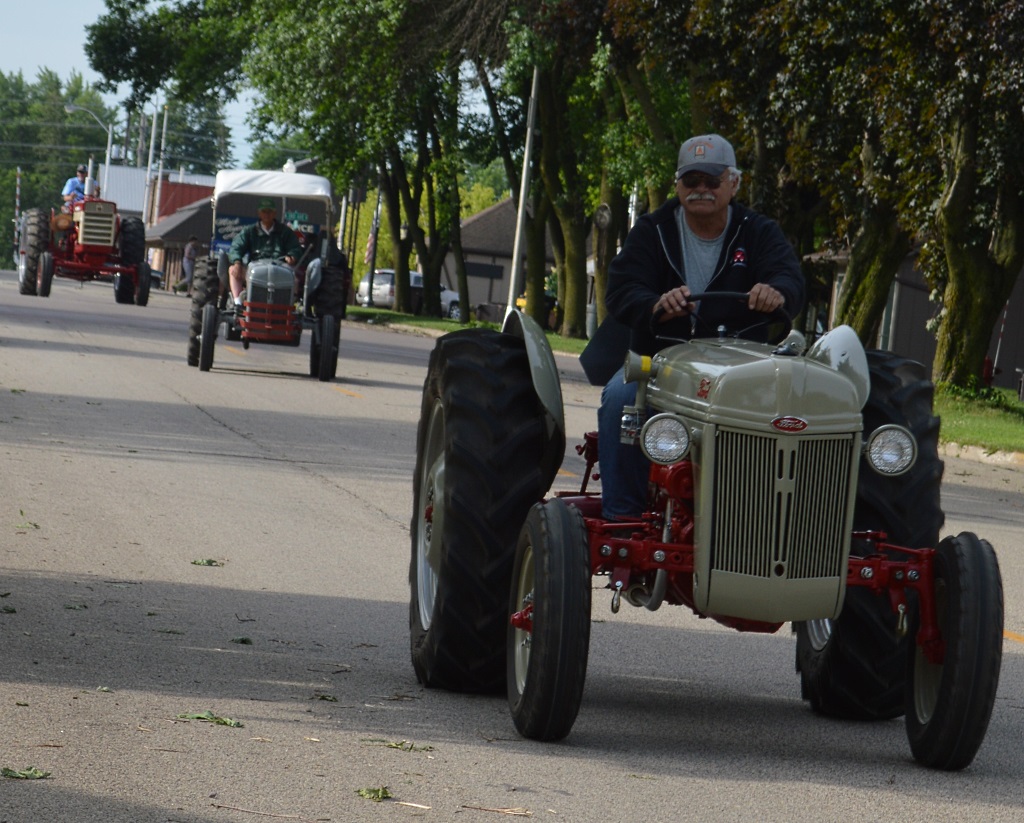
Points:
(264, 239)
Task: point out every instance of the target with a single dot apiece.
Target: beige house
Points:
(488, 238)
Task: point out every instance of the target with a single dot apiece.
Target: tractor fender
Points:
(841, 349)
(314, 274)
(542, 368)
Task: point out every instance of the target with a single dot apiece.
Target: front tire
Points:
(949, 704)
(205, 289)
(854, 667)
(315, 347)
(124, 289)
(478, 471)
(548, 634)
(208, 337)
(143, 274)
(44, 275)
(328, 348)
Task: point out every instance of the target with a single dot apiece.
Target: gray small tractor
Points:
(280, 300)
(788, 484)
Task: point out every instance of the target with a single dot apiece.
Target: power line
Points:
(99, 149)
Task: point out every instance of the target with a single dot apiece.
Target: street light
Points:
(70, 107)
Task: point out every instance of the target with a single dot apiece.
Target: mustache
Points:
(697, 196)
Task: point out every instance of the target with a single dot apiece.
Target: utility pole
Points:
(147, 210)
(160, 168)
(372, 251)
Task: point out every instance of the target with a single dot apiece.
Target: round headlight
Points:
(665, 439)
(891, 450)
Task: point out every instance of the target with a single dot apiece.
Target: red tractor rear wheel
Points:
(35, 239)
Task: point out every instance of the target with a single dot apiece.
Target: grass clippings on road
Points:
(30, 773)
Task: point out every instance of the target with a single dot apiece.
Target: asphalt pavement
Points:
(204, 594)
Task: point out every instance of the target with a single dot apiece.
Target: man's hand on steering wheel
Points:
(764, 298)
(673, 304)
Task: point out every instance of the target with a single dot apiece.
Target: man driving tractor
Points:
(700, 240)
(266, 238)
(74, 188)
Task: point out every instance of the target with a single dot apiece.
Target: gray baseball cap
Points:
(708, 153)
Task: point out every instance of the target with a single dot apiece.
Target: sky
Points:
(50, 33)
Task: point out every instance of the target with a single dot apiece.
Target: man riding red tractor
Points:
(86, 239)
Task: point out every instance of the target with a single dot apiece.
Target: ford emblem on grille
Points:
(789, 424)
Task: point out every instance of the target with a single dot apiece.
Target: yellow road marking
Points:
(346, 391)
(1013, 636)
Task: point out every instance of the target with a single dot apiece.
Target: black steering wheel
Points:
(776, 317)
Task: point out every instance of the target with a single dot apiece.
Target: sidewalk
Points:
(1009, 460)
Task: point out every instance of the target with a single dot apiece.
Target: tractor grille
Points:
(781, 505)
(97, 229)
(280, 296)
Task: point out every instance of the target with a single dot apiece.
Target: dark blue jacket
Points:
(754, 251)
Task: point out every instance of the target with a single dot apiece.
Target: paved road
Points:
(120, 467)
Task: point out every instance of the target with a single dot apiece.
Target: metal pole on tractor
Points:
(515, 278)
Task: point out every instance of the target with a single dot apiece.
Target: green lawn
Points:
(995, 424)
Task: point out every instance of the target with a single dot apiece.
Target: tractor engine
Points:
(270, 282)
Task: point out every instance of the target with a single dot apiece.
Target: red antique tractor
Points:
(87, 240)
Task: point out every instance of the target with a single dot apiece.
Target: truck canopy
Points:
(304, 201)
(271, 184)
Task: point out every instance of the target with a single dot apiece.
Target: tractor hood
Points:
(757, 387)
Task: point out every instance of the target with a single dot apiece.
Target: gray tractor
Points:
(280, 300)
(788, 484)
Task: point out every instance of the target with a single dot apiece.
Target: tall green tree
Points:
(924, 97)
(571, 116)
(963, 66)
(190, 53)
(41, 143)
(833, 149)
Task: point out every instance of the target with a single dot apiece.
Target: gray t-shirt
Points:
(700, 256)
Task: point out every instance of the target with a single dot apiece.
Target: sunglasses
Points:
(692, 179)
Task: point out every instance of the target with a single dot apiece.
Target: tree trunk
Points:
(554, 230)
(981, 272)
(879, 247)
(574, 318)
(561, 173)
(876, 254)
(606, 241)
(536, 256)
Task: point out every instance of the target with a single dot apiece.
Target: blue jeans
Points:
(624, 469)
